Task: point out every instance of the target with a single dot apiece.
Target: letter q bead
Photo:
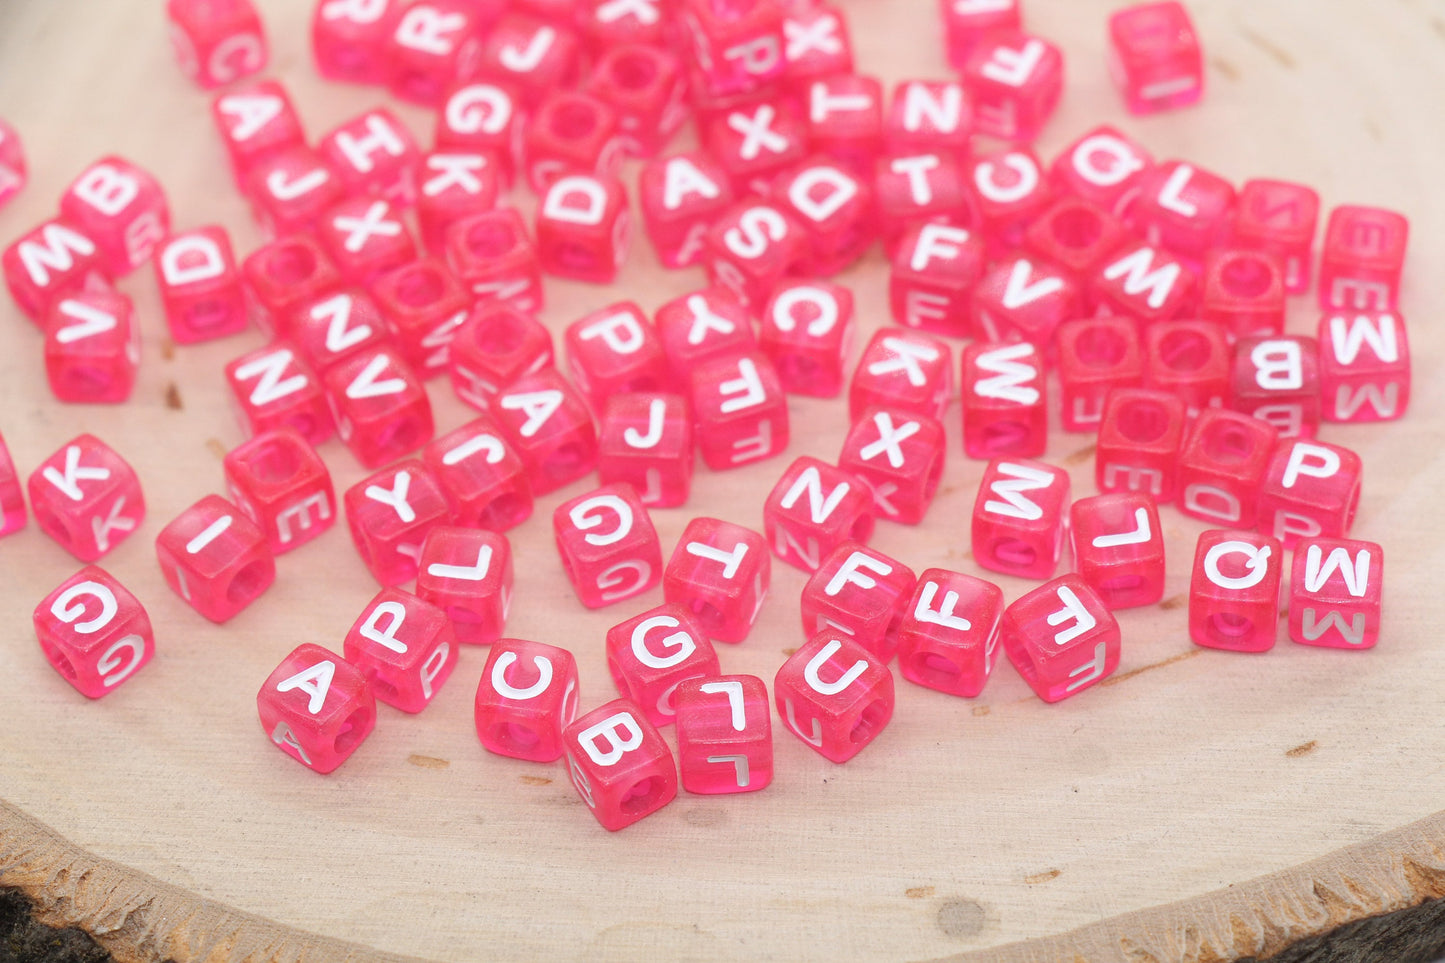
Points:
(1234, 591)
(94, 632)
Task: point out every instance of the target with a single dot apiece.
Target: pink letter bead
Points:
(434, 43)
(122, 208)
(930, 282)
(1103, 167)
(1096, 356)
(1364, 252)
(48, 263)
(92, 347)
(735, 46)
(1154, 57)
(1145, 284)
(316, 707)
(380, 406)
(1015, 80)
(845, 119)
(813, 509)
(217, 42)
(899, 456)
(724, 734)
(583, 228)
(1061, 638)
(645, 84)
(834, 695)
(1019, 518)
(1279, 217)
(1139, 440)
(807, 329)
(750, 248)
(1076, 236)
(1009, 192)
(200, 286)
(1335, 592)
(929, 117)
(532, 55)
(607, 544)
(215, 558)
(12, 501)
(860, 593)
(496, 345)
(1185, 209)
(650, 655)
(967, 22)
(754, 140)
(290, 190)
(646, 441)
(570, 132)
(1119, 548)
(1189, 359)
(405, 648)
(423, 304)
(680, 197)
(1277, 379)
(483, 479)
(1309, 489)
(283, 486)
(1005, 400)
(274, 388)
(739, 410)
(86, 498)
(491, 254)
(833, 208)
(1023, 300)
(703, 326)
(254, 122)
(902, 370)
(526, 697)
(547, 423)
(612, 351)
(719, 572)
(390, 514)
(12, 163)
(467, 573)
(285, 274)
(619, 764)
(948, 638)
(1234, 591)
(453, 185)
(485, 118)
(917, 187)
(1364, 367)
(1243, 291)
(349, 39)
(1221, 466)
(336, 326)
(94, 632)
(366, 237)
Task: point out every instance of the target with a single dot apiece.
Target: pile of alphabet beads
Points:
(1103, 291)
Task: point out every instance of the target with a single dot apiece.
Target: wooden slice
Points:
(1197, 805)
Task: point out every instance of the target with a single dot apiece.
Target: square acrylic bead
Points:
(1118, 548)
(1336, 591)
(86, 497)
(608, 545)
(861, 593)
(483, 479)
(651, 654)
(1364, 367)
(282, 485)
(526, 697)
(724, 734)
(1138, 444)
(1155, 57)
(1005, 400)
(1019, 518)
(948, 637)
(899, 456)
(720, 573)
(1061, 638)
(1234, 591)
(389, 515)
(834, 696)
(619, 764)
(814, 508)
(94, 632)
(1222, 465)
(405, 648)
(1310, 489)
(467, 574)
(316, 707)
(1362, 259)
(216, 558)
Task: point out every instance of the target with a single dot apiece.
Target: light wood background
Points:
(161, 819)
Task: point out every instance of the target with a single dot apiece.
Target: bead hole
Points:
(1121, 583)
(273, 463)
(403, 434)
(353, 730)
(1077, 228)
(290, 265)
(635, 71)
(500, 333)
(1142, 422)
(1227, 442)
(62, 664)
(489, 239)
(515, 737)
(420, 287)
(1229, 626)
(1246, 276)
(1014, 553)
(872, 720)
(936, 670)
(573, 120)
(504, 512)
(1100, 347)
(641, 795)
(248, 583)
(1185, 351)
(862, 528)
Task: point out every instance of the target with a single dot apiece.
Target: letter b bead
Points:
(93, 632)
(619, 764)
(526, 697)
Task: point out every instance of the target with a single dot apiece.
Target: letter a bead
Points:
(316, 707)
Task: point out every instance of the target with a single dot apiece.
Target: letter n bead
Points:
(1061, 638)
(619, 764)
(526, 697)
(1234, 590)
(834, 695)
(813, 509)
(724, 734)
(404, 646)
(93, 632)
(215, 558)
(316, 707)
(1335, 592)
(608, 545)
(948, 637)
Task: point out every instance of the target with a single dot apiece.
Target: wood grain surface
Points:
(1198, 805)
